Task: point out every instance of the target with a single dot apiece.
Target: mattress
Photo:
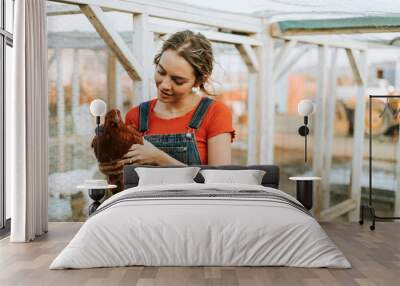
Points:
(201, 225)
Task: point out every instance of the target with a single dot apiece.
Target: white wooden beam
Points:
(91, 40)
(358, 141)
(315, 40)
(329, 131)
(57, 10)
(158, 43)
(341, 43)
(111, 79)
(114, 41)
(142, 46)
(355, 67)
(75, 97)
(338, 210)
(276, 31)
(283, 53)
(266, 92)
(252, 119)
(180, 12)
(119, 100)
(214, 36)
(318, 136)
(75, 84)
(81, 40)
(249, 57)
(284, 68)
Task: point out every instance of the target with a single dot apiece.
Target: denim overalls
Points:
(181, 146)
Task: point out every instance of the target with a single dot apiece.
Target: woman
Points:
(180, 126)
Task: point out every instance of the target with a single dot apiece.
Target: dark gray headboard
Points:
(270, 179)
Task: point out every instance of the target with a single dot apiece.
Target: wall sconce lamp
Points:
(305, 108)
(98, 108)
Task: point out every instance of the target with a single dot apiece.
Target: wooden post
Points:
(119, 99)
(329, 131)
(111, 78)
(251, 60)
(358, 141)
(158, 43)
(318, 122)
(142, 47)
(75, 82)
(60, 112)
(266, 102)
(75, 95)
(251, 120)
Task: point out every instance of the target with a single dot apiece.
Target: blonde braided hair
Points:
(196, 49)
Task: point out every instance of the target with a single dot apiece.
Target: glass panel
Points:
(229, 83)
(9, 15)
(385, 152)
(77, 74)
(342, 135)
(8, 80)
(289, 147)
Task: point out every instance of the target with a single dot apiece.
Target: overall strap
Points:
(144, 109)
(201, 110)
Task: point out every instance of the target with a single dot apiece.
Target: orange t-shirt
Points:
(217, 120)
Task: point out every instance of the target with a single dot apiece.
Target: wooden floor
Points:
(375, 257)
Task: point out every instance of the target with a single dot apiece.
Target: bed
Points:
(198, 224)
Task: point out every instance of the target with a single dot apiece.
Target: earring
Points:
(196, 90)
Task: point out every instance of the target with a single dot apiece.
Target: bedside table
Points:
(304, 190)
(96, 193)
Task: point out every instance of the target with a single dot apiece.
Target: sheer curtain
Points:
(27, 124)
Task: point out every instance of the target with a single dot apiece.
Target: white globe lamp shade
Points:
(98, 107)
(306, 107)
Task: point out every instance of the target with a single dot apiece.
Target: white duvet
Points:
(200, 231)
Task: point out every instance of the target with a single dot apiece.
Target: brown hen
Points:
(112, 144)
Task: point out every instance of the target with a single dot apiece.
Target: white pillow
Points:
(249, 177)
(163, 176)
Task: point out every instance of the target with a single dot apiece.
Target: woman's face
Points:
(174, 77)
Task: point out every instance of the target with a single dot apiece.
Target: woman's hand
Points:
(146, 154)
